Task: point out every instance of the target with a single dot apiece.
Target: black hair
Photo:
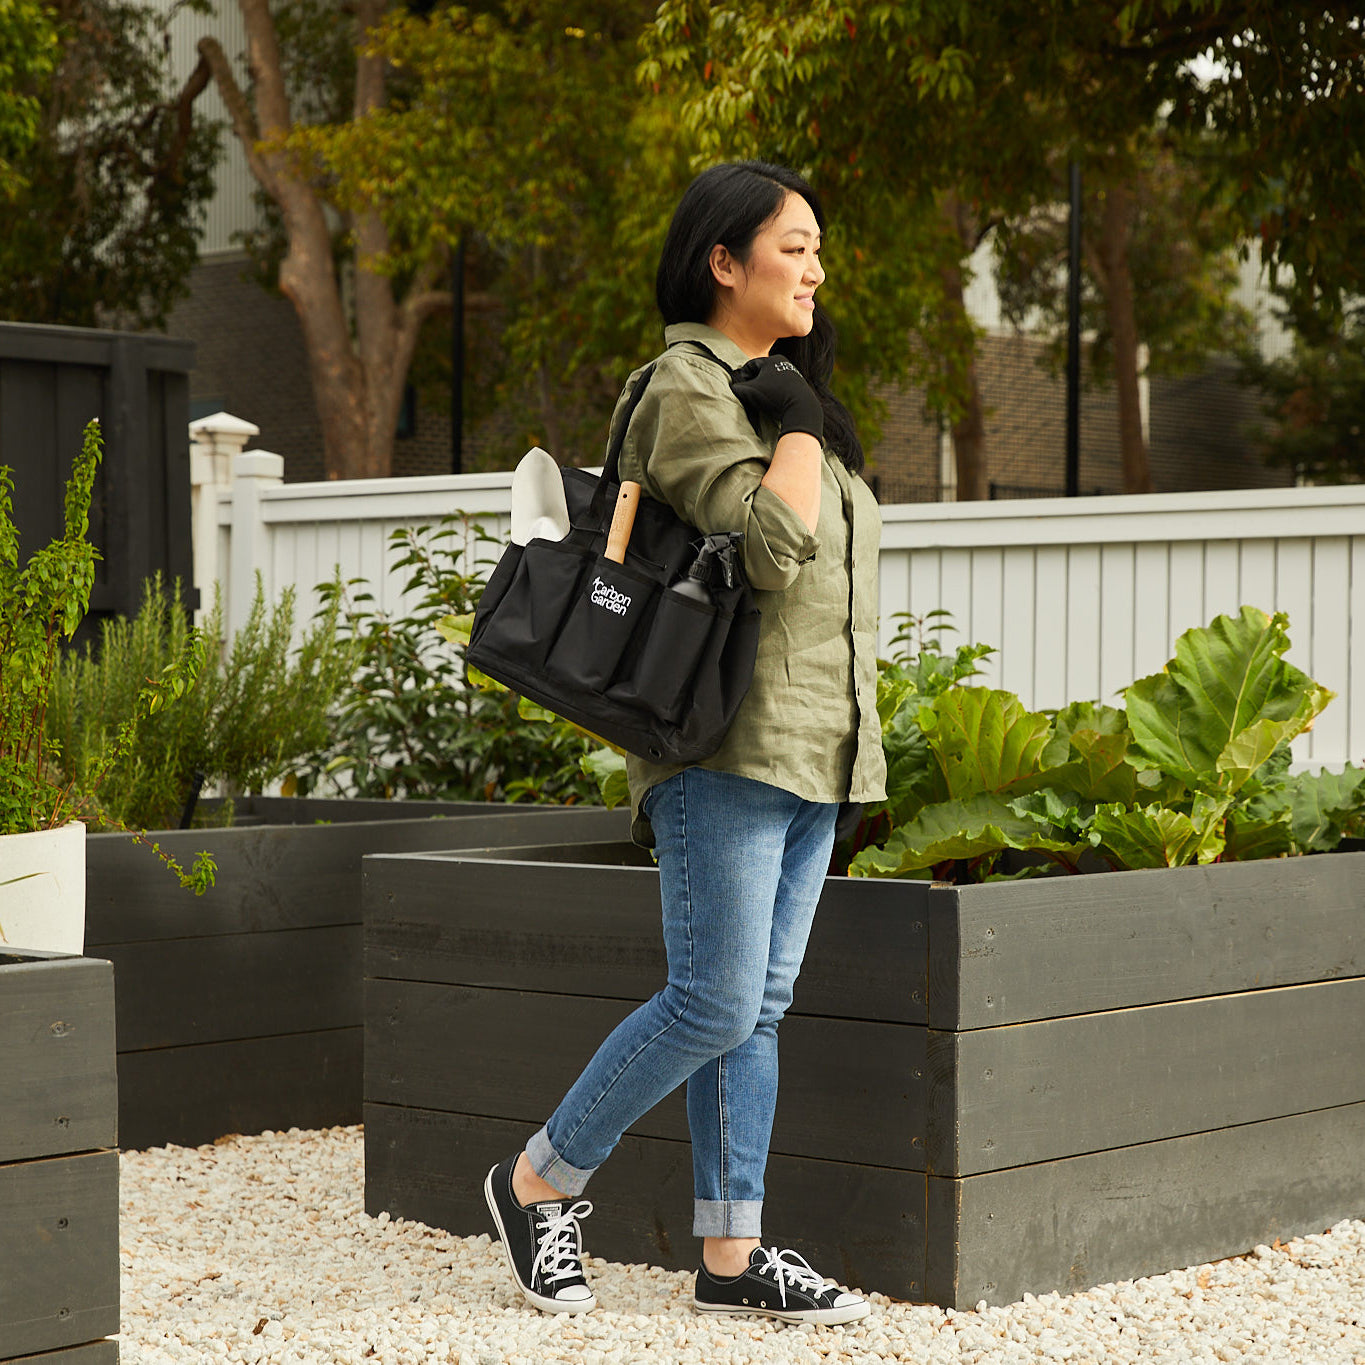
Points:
(728, 205)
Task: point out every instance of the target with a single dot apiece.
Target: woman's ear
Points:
(722, 266)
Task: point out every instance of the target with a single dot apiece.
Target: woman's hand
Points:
(773, 385)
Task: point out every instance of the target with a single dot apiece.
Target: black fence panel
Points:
(53, 380)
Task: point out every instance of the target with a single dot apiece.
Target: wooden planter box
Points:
(240, 1010)
(59, 1253)
(985, 1090)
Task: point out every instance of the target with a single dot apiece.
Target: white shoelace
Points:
(561, 1248)
(797, 1271)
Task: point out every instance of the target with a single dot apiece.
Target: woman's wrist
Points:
(798, 445)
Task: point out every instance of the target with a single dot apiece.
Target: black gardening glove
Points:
(773, 385)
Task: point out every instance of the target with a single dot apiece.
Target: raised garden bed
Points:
(59, 1266)
(986, 1090)
(240, 1010)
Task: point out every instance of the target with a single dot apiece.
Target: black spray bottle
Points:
(685, 618)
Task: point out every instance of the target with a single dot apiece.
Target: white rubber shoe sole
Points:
(823, 1317)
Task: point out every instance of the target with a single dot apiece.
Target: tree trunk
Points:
(969, 431)
(358, 380)
(1117, 278)
(969, 444)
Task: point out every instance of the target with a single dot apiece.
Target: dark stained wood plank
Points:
(1086, 1220)
(192, 1095)
(64, 345)
(175, 992)
(1032, 1092)
(1070, 945)
(525, 925)
(92, 1353)
(861, 1224)
(280, 876)
(58, 1086)
(529, 823)
(849, 1089)
(28, 444)
(564, 924)
(59, 1264)
(128, 543)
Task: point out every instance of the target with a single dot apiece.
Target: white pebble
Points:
(257, 1250)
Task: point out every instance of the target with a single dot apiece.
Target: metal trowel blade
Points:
(539, 511)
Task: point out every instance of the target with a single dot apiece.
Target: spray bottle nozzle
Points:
(718, 554)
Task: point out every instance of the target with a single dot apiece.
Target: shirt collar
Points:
(708, 337)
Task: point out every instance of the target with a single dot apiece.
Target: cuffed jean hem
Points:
(727, 1218)
(551, 1167)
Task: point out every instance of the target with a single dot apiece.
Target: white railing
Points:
(1080, 596)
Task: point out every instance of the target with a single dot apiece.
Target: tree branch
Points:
(369, 70)
(266, 67)
(239, 111)
(422, 306)
(1193, 38)
(986, 228)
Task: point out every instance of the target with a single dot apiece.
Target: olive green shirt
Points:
(809, 722)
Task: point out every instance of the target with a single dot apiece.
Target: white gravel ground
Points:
(257, 1250)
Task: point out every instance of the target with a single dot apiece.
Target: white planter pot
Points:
(42, 889)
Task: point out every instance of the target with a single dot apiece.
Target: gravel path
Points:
(257, 1250)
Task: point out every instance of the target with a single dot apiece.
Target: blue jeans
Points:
(741, 867)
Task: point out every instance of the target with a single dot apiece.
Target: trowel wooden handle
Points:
(622, 519)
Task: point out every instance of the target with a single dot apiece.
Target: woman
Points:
(743, 839)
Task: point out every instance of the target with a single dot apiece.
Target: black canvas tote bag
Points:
(606, 645)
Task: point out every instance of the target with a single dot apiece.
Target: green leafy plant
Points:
(415, 723)
(1195, 769)
(41, 605)
(257, 710)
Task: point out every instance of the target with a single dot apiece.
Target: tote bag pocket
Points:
(526, 617)
(664, 675)
(613, 603)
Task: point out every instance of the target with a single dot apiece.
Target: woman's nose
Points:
(815, 272)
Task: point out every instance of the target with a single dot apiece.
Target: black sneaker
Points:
(543, 1242)
(778, 1284)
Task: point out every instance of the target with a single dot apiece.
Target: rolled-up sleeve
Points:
(692, 446)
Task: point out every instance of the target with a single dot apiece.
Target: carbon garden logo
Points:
(604, 595)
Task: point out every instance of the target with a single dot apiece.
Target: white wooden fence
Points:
(1080, 596)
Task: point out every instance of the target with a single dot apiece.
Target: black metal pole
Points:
(1073, 340)
(457, 360)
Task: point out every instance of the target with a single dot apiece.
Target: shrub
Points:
(413, 724)
(41, 605)
(257, 710)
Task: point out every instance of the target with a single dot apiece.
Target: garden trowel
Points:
(539, 511)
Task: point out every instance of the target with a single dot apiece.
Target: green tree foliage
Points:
(1315, 422)
(515, 128)
(839, 92)
(901, 110)
(519, 129)
(1280, 84)
(1182, 252)
(28, 51)
(105, 226)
